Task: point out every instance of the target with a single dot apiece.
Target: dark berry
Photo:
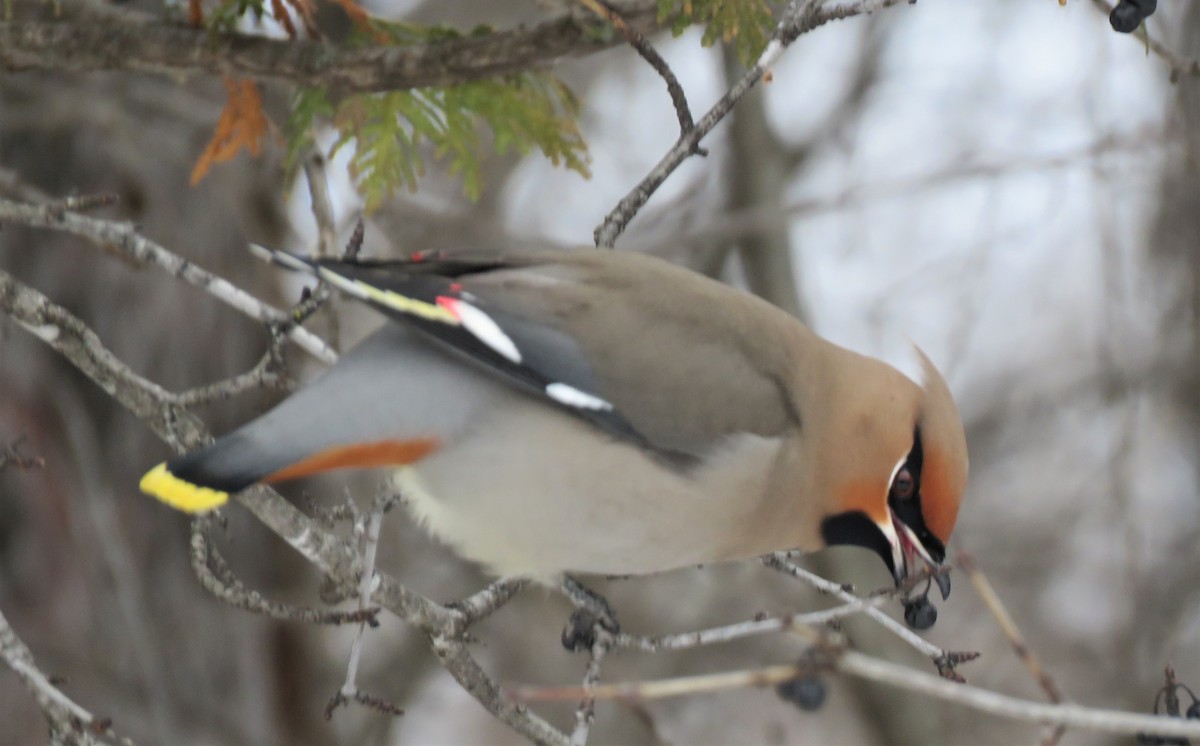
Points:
(1125, 19)
(1129, 14)
(920, 614)
(580, 633)
(806, 692)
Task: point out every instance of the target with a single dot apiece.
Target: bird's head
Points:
(905, 475)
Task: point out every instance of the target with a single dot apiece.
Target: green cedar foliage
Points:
(392, 134)
(746, 24)
(225, 17)
(388, 131)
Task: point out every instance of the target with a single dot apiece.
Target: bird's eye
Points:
(903, 485)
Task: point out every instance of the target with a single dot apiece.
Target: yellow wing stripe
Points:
(404, 304)
(388, 298)
(181, 495)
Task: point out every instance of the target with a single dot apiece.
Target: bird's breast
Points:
(532, 491)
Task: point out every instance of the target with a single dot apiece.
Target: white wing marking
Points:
(573, 397)
(483, 327)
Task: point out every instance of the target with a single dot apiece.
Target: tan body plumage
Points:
(608, 413)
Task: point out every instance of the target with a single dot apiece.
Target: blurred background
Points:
(1007, 183)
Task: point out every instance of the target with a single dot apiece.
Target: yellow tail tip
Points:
(181, 495)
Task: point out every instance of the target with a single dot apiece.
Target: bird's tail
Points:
(390, 401)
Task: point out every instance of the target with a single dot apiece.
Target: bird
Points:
(550, 413)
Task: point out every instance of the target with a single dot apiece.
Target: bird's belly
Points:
(593, 505)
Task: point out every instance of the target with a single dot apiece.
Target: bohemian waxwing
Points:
(605, 412)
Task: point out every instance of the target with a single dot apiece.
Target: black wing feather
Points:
(547, 355)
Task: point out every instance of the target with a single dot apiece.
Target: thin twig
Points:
(884, 672)
(733, 224)
(81, 202)
(966, 563)
(946, 661)
(322, 210)
(332, 554)
(370, 546)
(69, 722)
(69, 336)
(454, 655)
(355, 242)
(369, 701)
(678, 98)
(1176, 65)
(322, 206)
(216, 578)
(642, 691)
(727, 633)
(585, 714)
(123, 239)
(264, 373)
(11, 456)
(799, 17)
(13, 186)
(368, 532)
(487, 601)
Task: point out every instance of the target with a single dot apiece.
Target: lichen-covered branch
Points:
(891, 674)
(163, 46)
(122, 238)
(69, 336)
(217, 578)
(69, 723)
(944, 660)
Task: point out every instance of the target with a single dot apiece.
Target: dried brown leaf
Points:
(242, 125)
(280, 12)
(195, 14)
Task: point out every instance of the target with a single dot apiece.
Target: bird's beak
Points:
(906, 547)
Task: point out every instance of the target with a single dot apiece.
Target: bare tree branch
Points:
(218, 579)
(14, 187)
(69, 723)
(585, 714)
(482, 604)
(884, 672)
(966, 562)
(745, 221)
(123, 238)
(266, 372)
(638, 41)
(335, 556)
(944, 660)
(799, 17)
(11, 457)
(685, 640)
(366, 528)
(1176, 65)
(58, 328)
(322, 205)
(166, 47)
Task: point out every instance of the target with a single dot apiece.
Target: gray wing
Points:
(684, 359)
(648, 352)
(393, 388)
